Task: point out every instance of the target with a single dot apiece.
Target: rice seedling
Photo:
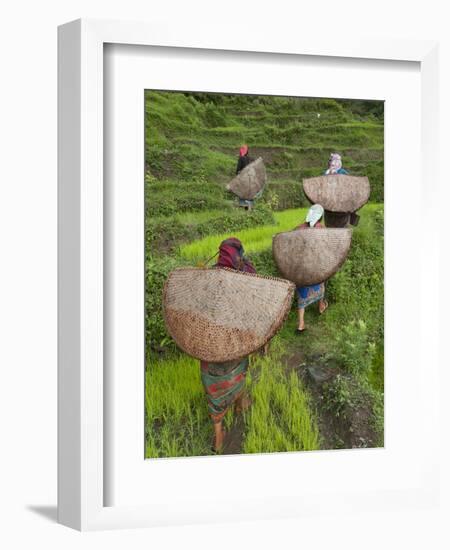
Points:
(176, 414)
(280, 418)
(254, 239)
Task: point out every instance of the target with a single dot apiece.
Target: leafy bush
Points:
(356, 289)
(339, 396)
(353, 349)
(157, 270)
(286, 194)
(344, 393)
(264, 263)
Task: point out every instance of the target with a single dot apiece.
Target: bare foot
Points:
(323, 304)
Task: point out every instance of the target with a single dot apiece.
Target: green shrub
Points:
(156, 271)
(353, 349)
(344, 393)
(286, 194)
(264, 263)
(339, 396)
(357, 290)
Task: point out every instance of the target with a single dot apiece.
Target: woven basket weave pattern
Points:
(249, 182)
(219, 315)
(311, 256)
(338, 192)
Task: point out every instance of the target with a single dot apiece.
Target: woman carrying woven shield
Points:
(335, 165)
(308, 295)
(243, 161)
(338, 219)
(224, 383)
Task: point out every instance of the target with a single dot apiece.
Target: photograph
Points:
(264, 274)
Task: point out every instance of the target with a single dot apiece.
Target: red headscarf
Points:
(243, 150)
(231, 254)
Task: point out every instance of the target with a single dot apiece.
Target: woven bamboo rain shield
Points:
(338, 192)
(311, 256)
(250, 180)
(219, 315)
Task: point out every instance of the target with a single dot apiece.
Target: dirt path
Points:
(235, 437)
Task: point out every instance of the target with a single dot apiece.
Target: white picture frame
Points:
(81, 403)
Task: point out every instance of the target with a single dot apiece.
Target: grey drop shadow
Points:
(48, 512)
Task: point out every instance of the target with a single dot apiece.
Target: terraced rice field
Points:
(191, 143)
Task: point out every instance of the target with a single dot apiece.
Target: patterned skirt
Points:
(308, 295)
(223, 383)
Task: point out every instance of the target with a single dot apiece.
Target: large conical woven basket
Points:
(219, 315)
(250, 180)
(338, 192)
(311, 256)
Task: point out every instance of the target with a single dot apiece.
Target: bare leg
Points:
(218, 435)
(301, 318)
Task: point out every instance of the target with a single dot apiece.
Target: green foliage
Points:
(283, 195)
(377, 419)
(166, 233)
(280, 418)
(177, 422)
(198, 135)
(344, 393)
(339, 396)
(365, 108)
(168, 204)
(353, 349)
(156, 271)
(214, 115)
(376, 374)
(357, 289)
(191, 144)
(254, 240)
(264, 262)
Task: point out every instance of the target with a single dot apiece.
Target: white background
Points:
(28, 273)
(131, 480)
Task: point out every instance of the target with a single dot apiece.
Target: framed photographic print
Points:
(236, 265)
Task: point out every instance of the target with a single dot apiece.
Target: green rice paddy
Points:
(191, 143)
